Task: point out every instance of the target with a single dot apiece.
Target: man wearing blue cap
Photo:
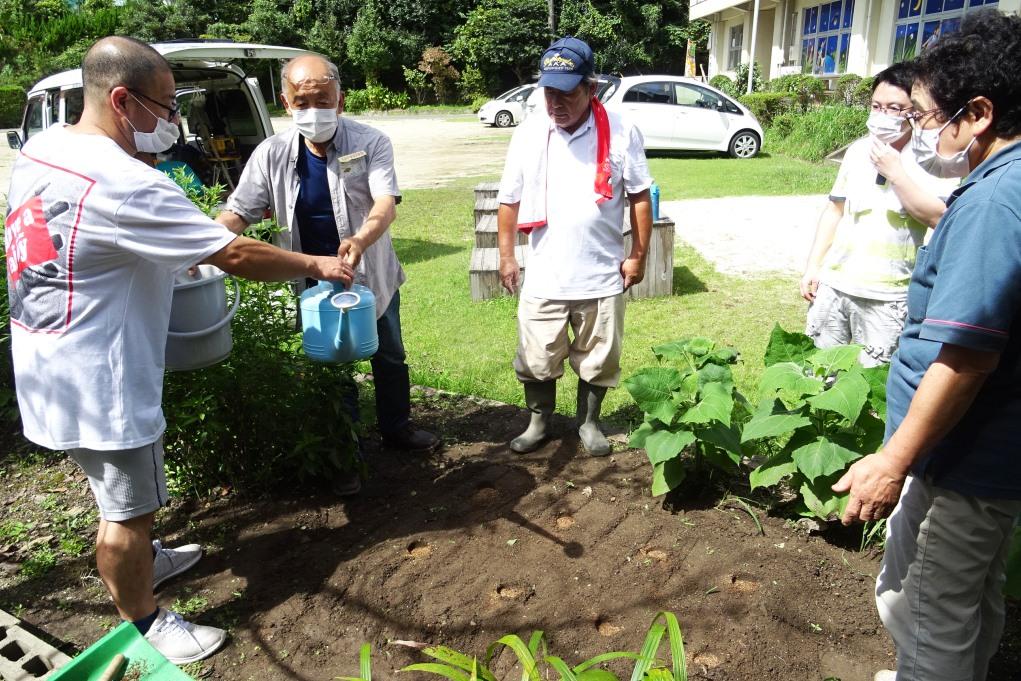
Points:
(564, 184)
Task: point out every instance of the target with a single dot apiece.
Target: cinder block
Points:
(23, 656)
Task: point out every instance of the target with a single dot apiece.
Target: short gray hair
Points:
(286, 69)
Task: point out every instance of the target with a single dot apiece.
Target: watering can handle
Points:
(218, 325)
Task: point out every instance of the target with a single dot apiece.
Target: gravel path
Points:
(749, 235)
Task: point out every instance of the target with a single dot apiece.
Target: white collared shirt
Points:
(577, 256)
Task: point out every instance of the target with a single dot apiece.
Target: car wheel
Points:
(744, 145)
(503, 119)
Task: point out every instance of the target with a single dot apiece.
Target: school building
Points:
(831, 38)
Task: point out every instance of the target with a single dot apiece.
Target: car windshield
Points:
(510, 92)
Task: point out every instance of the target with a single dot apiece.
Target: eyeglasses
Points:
(891, 109)
(312, 82)
(916, 118)
(174, 108)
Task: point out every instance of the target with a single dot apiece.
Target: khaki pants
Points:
(940, 590)
(543, 344)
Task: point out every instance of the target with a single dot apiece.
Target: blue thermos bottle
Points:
(654, 192)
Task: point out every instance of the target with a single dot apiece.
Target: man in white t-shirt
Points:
(565, 181)
(94, 239)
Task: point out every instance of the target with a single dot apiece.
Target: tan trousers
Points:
(597, 326)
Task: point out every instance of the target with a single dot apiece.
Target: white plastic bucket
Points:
(200, 334)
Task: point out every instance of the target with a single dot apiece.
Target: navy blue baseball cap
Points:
(565, 64)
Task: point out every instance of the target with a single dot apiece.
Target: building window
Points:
(825, 37)
(734, 47)
(920, 23)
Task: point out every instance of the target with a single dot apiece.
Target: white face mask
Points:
(316, 125)
(925, 144)
(886, 128)
(160, 139)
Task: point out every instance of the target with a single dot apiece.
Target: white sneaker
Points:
(182, 642)
(885, 675)
(169, 563)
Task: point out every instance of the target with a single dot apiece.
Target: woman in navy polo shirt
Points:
(951, 463)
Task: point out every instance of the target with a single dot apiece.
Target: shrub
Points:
(844, 90)
(724, 84)
(862, 93)
(478, 101)
(741, 78)
(375, 98)
(12, 104)
(767, 105)
(267, 413)
(472, 84)
(814, 134)
(805, 88)
(416, 81)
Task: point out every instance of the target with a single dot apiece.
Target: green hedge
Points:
(814, 134)
(804, 88)
(375, 98)
(12, 104)
(724, 84)
(767, 105)
(862, 93)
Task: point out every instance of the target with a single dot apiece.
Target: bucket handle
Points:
(218, 325)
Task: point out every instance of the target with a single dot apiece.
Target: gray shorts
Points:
(836, 318)
(126, 483)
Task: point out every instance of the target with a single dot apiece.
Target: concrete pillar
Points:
(884, 17)
(776, 51)
(858, 51)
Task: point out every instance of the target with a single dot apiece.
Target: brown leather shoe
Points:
(411, 439)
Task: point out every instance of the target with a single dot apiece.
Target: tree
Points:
(502, 35)
(376, 47)
(435, 63)
(166, 20)
(416, 81)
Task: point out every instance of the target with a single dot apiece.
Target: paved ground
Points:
(748, 235)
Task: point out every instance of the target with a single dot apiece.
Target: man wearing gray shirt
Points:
(331, 185)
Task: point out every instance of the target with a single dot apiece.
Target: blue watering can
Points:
(338, 324)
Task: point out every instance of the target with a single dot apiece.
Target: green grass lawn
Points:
(467, 347)
(702, 176)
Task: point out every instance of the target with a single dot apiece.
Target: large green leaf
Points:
(714, 373)
(715, 404)
(828, 361)
(821, 500)
(773, 470)
(876, 377)
(666, 476)
(664, 445)
(871, 433)
(724, 355)
(773, 425)
(846, 396)
(652, 389)
(727, 438)
(822, 458)
(787, 347)
(638, 437)
(699, 346)
(674, 351)
(789, 379)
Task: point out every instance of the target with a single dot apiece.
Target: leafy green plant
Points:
(12, 103)
(42, 560)
(822, 411)
(375, 97)
(862, 93)
(806, 89)
(689, 400)
(767, 105)
(843, 91)
(724, 84)
(818, 132)
(741, 78)
(537, 664)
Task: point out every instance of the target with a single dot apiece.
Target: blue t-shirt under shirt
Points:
(313, 210)
(966, 290)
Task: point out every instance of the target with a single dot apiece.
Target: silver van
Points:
(223, 112)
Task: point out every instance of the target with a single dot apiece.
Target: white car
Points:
(508, 109)
(683, 113)
(607, 85)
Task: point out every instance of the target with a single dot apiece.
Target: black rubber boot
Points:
(541, 399)
(590, 401)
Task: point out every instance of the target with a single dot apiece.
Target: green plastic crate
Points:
(126, 640)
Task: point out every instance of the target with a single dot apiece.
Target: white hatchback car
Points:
(683, 113)
(508, 109)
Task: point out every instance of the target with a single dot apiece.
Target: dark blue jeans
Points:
(390, 374)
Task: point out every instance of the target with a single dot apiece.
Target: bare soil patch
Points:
(476, 542)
